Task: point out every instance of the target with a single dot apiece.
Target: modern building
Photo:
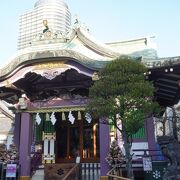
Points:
(30, 24)
(48, 83)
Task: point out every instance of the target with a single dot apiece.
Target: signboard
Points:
(11, 170)
(158, 170)
(147, 164)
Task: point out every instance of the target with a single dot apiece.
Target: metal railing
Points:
(73, 174)
(116, 173)
(154, 154)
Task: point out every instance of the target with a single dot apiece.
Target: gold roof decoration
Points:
(50, 65)
(95, 76)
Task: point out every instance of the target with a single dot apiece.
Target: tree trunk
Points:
(127, 147)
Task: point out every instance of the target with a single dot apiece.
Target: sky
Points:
(108, 21)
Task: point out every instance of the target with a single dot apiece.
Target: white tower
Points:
(57, 14)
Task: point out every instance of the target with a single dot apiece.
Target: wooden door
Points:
(80, 138)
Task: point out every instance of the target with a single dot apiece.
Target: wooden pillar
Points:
(17, 130)
(104, 148)
(24, 146)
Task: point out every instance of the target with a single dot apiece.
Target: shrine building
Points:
(48, 82)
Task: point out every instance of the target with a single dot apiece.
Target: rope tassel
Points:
(79, 115)
(63, 116)
(47, 117)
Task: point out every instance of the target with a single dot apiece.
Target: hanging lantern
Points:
(63, 116)
(71, 117)
(79, 115)
(38, 119)
(53, 118)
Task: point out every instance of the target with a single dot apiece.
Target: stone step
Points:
(39, 175)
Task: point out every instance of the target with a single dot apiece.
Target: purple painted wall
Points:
(17, 128)
(24, 147)
(104, 148)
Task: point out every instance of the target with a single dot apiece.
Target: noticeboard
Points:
(11, 170)
(147, 164)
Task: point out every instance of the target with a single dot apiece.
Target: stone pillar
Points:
(104, 148)
(24, 147)
(17, 127)
(150, 131)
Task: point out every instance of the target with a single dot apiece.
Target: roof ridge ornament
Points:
(49, 35)
(45, 23)
(79, 24)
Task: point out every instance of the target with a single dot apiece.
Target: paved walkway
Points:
(39, 175)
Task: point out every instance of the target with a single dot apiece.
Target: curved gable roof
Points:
(77, 44)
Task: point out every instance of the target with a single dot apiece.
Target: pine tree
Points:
(122, 90)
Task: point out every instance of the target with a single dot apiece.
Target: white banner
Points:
(46, 144)
(52, 147)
